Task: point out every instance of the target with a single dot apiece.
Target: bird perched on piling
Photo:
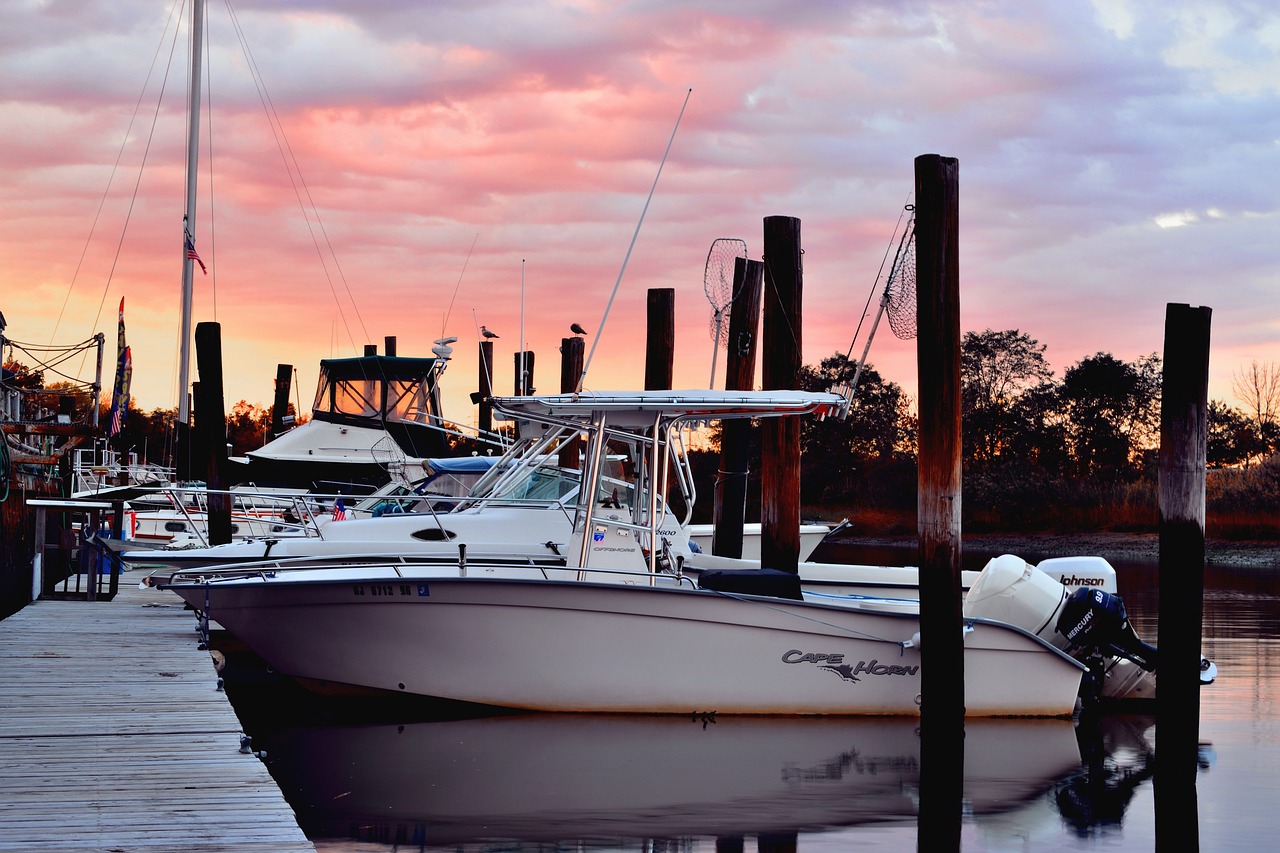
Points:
(577, 330)
(488, 334)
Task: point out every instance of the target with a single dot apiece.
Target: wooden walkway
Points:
(114, 736)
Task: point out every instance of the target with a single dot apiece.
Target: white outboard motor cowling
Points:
(1012, 590)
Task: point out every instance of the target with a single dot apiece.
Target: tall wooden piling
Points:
(523, 373)
(660, 339)
(485, 387)
(780, 437)
(572, 351)
(211, 410)
(938, 501)
(740, 375)
(280, 405)
(1184, 407)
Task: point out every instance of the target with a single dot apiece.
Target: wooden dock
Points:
(115, 737)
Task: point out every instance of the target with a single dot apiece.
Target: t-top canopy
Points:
(641, 408)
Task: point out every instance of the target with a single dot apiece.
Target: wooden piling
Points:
(938, 369)
(389, 345)
(572, 351)
(523, 373)
(660, 341)
(370, 349)
(1184, 402)
(780, 370)
(485, 387)
(729, 513)
(211, 410)
(280, 405)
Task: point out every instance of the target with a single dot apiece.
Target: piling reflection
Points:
(580, 777)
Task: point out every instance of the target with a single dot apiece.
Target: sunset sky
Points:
(1114, 157)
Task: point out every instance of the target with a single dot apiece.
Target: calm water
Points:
(378, 778)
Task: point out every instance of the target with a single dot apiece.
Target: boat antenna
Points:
(445, 323)
(521, 382)
(600, 329)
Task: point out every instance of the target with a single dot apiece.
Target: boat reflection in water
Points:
(547, 777)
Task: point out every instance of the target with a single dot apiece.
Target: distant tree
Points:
(837, 454)
(1232, 437)
(1258, 387)
(996, 369)
(1112, 410)
(248, 427)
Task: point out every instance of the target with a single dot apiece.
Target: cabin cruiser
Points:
(373, 417)
(621, 616)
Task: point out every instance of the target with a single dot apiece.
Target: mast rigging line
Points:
(600, 329)
(290, 160)
(871, 294)
(106, 287)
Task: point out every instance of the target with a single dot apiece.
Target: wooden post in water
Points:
(938, 502)
(389, 345)
(280, 405)
(572, 351)
(370, 349)
(211, 410)
(523, 373)
(485, 386)
(1183, 439)
(730, 508)
(780, 370)
(660, 340)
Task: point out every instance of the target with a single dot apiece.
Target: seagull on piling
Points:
(488, 334)
(577, 330)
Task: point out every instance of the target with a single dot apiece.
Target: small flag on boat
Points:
(192, 254)
(339, 510)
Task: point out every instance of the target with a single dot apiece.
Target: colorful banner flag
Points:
(339, 510)
(124, 376)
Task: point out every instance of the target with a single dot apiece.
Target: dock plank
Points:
(115, 736)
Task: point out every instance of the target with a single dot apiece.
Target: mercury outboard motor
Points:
(1093, 619)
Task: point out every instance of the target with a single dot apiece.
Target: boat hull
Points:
(552, 645)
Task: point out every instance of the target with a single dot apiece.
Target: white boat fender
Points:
(1208, 670)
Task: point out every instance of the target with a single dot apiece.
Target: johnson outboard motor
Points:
(1095, 620)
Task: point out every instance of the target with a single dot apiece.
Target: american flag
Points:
(339, 510)
(192, 255)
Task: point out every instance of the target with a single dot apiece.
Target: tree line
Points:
(1041, 452)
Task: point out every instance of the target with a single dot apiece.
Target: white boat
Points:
(811, 536)
(375, 419)
(525, 503)
(614, 623)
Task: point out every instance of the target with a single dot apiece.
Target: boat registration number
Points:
(387, 589)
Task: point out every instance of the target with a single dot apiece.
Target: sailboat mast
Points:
(189, 217)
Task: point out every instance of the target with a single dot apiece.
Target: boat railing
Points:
(468, 563)
(398, 565)
(263, 513)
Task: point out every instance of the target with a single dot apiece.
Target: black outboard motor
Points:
(1093, 619)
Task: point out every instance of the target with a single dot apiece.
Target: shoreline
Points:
(1120, 546)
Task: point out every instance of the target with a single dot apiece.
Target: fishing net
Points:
(900, 292)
